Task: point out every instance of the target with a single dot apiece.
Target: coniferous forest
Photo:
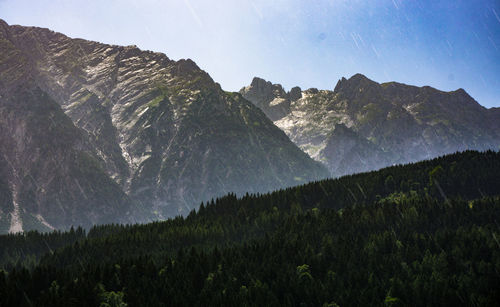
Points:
(422, 234)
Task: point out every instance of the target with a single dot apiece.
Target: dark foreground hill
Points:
(421, 234)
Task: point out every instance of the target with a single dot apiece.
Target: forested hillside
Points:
(420, 234)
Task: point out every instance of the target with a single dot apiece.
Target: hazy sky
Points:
(445, 44)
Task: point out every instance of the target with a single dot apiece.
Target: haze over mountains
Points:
(362, 125)
(92, 133)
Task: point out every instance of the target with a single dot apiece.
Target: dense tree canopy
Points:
(420, 234)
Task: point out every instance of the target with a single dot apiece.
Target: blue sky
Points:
(444, 44)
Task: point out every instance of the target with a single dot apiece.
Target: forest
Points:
(422, 234)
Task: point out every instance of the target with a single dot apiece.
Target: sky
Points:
(309, 43)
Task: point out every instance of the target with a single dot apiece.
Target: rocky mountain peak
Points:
(295, 93)
(271, 98)
(354, 83)
(130, 51)
(311, 91)
(156, 136)
(265, 88)
(400, 123)
(3, 27)
(260, 84)
(359, 78)
(464, 95)
(186, 66)
(339, 84)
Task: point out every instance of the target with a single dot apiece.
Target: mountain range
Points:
(93, 133)
(362, 125)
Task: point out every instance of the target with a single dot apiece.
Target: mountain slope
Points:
(52, 178)
(352, 152)
(163, 130)
(405, 123)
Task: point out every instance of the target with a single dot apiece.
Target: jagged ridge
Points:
(396, 123)
(163, 130)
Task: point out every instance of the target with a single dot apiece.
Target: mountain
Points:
(51, 176)
(423, 234)
(380, 124)
(145, 136)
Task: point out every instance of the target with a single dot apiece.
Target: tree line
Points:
(419, 234)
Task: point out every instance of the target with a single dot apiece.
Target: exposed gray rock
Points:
(52, 177)
(397, 122)
(295, 93)
(165, 133)
(271, 98)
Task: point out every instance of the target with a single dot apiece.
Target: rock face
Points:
(51, 176)
(271, 98)
(362, 125)
(157, 135)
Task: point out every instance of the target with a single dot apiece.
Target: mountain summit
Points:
(362, 125)
(141, 134)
